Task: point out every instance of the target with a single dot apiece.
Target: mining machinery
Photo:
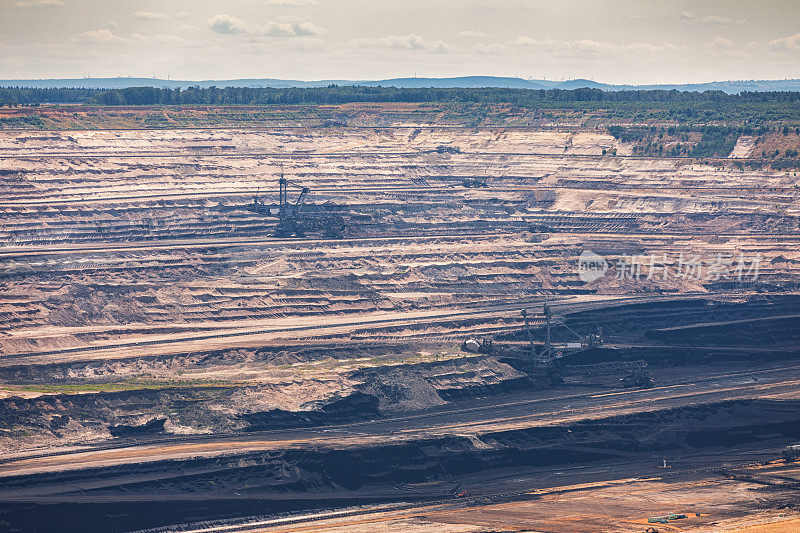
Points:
(298, 218)
(475, 182)
(791, 453)
(637, 374)
(548, 361)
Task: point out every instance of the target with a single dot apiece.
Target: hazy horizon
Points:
(374, 79)
(614, 41)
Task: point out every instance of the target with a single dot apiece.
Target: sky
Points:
(612, 41)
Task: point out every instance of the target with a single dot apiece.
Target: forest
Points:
(679, 107)
(334, 94)
(720, 118)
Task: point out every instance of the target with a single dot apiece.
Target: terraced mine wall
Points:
(366, 394)
(671, 334)
(686, 332)
(245, 374)
(301, 479)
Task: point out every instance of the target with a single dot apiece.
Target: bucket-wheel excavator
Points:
(298, 218)
(547, 362)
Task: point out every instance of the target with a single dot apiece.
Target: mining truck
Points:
(791, 453)
(637, 378)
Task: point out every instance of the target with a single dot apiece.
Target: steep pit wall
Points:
(296, 479)
(296, 401)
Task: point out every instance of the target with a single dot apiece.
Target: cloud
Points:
(228, 25)
(402, 42)
(98, 37)
(472, 34)
(713, 20)
(528, 41)
(644, 47)
(587, 47)
(288, 47)
(721, 42)
(786, 43)
(580, 45)
(289, 3)
(489, 49)
(162, 39)
(39, 3)
(593, 47)
(150, 15)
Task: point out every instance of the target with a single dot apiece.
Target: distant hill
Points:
(123, 83)
(458, 82)
(728, 86)
(579, 84)
(464, 82)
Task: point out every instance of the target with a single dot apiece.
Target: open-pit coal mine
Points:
(402, 319)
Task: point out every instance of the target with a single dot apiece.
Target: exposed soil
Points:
(165, 359)
(420, 469)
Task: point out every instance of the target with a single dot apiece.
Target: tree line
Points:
(333, 94)
(23, 96)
